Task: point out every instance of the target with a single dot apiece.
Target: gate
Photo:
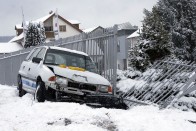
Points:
(100, 45)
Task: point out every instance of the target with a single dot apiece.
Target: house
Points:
(134, 39)
(66, 28)
(124, 30)
(9, 47)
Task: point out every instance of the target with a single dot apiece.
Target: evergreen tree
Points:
(35, 34)
(155, 34)
(170, 28)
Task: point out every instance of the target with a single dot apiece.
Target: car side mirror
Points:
(36, 60)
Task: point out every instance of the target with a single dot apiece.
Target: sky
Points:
(90, 13)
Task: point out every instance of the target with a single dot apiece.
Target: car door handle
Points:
(29, 69)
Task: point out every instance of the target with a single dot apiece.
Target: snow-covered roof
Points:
(42, 19)
(19, 26)
(74, 21)
(16, 38)
(135, 34)
(91, 29)
(9, 47)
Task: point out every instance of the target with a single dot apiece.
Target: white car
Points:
(54, 72)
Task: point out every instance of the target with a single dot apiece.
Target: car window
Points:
(34, 53)
(29, 55)
(41, 53)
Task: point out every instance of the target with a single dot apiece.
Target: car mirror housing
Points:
(36, 60)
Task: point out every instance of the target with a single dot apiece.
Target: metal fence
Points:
(100, 45)
(166, 81)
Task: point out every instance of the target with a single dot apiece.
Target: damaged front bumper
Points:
(108, 101)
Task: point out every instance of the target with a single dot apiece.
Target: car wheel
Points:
(40, 92)
(21, 92)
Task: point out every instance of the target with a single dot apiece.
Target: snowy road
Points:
(24, 114)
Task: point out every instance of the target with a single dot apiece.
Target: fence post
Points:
(115, 28)
(84, 36)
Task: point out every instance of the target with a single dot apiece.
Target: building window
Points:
(62, 28)
(48, 28)
(118, 46)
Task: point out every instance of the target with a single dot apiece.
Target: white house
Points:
(66, 28)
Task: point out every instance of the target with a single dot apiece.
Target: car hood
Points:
(80, 76)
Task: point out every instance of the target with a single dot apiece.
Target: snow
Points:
(127, 84)
(90, 29)
(135, 34)
(74, 21)
(19, 26)
(68, 50)
(24, 114)
(9, 47)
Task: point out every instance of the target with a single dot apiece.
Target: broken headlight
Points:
(61, 81)
(105, 89)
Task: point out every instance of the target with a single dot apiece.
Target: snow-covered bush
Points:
(129, 73)
(35, 34)
(138, 59)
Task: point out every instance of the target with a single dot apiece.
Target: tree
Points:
(155, 32)
(170, 28)
(35, 34)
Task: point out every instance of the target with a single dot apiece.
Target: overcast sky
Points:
(89, 12)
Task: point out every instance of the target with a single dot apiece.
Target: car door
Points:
(29, 84)
(35, 68)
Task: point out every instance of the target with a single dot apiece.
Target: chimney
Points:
(51, 12)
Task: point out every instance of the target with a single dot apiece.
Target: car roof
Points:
(66, 49)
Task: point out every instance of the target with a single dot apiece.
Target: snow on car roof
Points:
(68, 50)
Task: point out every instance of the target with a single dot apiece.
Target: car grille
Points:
(82, 86)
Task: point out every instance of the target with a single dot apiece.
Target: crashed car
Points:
(57, 73)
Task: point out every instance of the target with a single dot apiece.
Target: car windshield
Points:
(59, 57)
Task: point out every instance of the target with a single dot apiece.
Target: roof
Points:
(74, 21)
(16, 38)
(10, 47)
(91, 29)
(42, 19)
(125, 26)
(135, 34)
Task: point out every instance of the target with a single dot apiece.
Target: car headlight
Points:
(105, 89)
(61, 81)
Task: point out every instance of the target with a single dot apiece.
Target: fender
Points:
(44, 72)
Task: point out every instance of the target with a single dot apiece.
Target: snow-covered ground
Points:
(24, 114)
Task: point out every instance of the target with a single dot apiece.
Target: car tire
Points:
(40, 92)
(21, 91)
